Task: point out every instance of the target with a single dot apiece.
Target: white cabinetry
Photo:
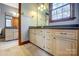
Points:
(32, 36)
(11, 34)
(61, 42)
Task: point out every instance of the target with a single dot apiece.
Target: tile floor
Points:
(11, 48)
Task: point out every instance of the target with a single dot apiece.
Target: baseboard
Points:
(25, 42)
(41, 49)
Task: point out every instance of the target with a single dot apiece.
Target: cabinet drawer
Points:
(51, 46)
(8, 34)
(63, 48)
(72, 34)
(9, 38)
(57, 42)
(15, 35)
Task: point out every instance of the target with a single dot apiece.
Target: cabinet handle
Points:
(63, 33)
(54, 38)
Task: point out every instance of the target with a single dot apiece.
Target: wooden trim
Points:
(78, 43)
(64, 19)
(19, 36)
(20, 42)
(41, 49)
(25, 42)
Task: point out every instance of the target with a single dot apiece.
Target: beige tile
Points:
(35, 51)
(12, 49)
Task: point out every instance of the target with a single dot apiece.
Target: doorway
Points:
(9, 27)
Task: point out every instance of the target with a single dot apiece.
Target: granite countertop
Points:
(10, 28)
(76, 26)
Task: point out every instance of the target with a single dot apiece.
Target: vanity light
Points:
(33, 14)
(41, 9)
(42, 5)
(38, 8)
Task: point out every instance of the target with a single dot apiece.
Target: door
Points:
(9, 34)
(15, 33)
(40, 37)
(50, 41)
(32, 36)
(74, 47)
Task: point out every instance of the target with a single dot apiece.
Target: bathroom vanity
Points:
(11, 33)
(58, 41)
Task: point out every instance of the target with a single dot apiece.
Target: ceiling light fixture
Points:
(42, 7)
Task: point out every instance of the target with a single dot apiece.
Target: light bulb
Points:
(38, 8)
(42, 5)
(41, 9)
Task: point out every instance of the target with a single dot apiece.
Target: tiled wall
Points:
(31, 16)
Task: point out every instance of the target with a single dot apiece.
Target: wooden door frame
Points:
(19, 32)
(19, 20)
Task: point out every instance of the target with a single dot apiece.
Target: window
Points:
(8, 21)
(61, 11)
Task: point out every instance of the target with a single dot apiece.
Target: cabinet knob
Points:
(63, 33)
(54, 38)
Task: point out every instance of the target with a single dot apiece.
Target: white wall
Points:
(5, 9)
(25, 23)
(27, 19)
(15, 5)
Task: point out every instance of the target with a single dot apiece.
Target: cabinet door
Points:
(32, 35)
(50, 41)
(15, 33)
(40, 42)
(40, 37)
(50, 46)
(63, 47)
(69, 34)
(9, 34)
(74, 47)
